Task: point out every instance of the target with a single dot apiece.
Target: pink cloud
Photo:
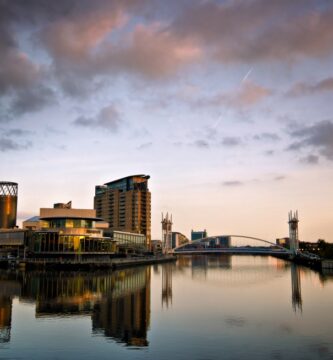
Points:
(303, 88)
(151, 52)
(259, 30)
(249, 94)
(17, 70)
(73, 38)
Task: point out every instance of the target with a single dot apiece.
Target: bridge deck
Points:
(249, 251)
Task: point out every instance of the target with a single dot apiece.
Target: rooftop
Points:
(129, 177)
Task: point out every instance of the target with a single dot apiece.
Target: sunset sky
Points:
(227, 105)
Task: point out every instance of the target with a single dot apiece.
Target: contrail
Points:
(247, 75)
(217, 123)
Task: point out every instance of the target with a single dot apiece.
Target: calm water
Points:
(203, 307)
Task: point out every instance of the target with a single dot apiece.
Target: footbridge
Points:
(222, 244)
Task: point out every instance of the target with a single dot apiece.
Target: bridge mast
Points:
(293, 231)
(166, 233)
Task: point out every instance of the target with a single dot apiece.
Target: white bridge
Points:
(203, 246)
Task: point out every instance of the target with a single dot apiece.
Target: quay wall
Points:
(74, 264)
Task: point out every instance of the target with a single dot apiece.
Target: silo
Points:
(8, 204)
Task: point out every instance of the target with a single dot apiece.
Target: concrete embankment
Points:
(87, 264)
(127, 262)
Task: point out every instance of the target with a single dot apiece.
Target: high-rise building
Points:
(125, 204)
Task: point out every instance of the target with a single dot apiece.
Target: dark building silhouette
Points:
(197, 235)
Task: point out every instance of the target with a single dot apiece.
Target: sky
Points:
(227, 105)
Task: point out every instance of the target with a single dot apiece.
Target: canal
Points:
(201, 307)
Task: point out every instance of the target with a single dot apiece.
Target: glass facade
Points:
(53, 242)
(70, 236)
(68, 223)
(124, 239)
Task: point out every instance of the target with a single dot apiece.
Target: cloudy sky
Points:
(226, 104)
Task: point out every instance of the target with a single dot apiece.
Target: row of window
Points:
(70, 223)
(129, 239)
(53, 242)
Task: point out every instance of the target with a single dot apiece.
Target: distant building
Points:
(219, 241)
(32, 223)
(178, 239)
(285, 242)
(13, 242)
(156, 246)
(197, 235)
(126, 205)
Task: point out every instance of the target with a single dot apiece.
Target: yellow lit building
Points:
(63, 231)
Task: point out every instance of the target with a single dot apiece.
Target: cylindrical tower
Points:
(8, 204)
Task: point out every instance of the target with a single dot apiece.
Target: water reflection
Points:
(118, 303)
(202, 307)
(203, 266)
(5, 318)
(167, 284)
(296, 287)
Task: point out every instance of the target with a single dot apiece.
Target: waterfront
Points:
(202, 307)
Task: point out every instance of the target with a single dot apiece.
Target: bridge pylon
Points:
(166, 233)
(293, 231)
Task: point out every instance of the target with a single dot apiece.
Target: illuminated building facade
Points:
(285, 242)
(8, 204)
(65, 231)
(126, 205)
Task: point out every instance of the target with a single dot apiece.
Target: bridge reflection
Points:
(207, 267)
(296, 290)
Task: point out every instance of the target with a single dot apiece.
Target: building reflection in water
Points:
(202, 263)
(167, 284)
(296, 291)
(118, 302)
(8, 289)
(126, 314)
(5, 318)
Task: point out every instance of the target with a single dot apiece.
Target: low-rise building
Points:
(128, 242)
(285, 242)
(13, 242)
(156, 246)
(63, 231)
